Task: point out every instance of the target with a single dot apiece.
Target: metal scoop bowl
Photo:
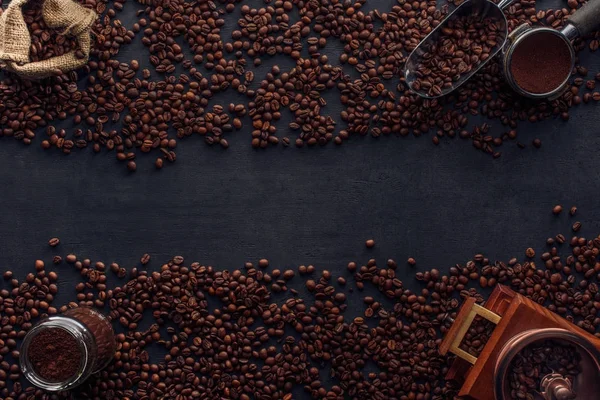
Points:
(481, 8)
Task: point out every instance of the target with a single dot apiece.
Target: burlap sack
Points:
(15, 40)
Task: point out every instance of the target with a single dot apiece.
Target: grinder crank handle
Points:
(584, 21)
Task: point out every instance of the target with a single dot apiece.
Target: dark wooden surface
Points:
(440, 205)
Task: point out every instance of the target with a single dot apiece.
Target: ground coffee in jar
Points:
(102, 331)
(55, 354)
(62, 351)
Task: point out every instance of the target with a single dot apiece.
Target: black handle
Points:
(587, 18)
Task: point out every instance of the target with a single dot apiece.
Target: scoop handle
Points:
(587, 18)
(502, 4)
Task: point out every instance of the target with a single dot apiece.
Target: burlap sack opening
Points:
(15, 40)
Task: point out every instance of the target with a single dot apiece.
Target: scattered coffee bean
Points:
(145, 259)
(370, 243)
(54, 242)
(530, 252)
(557, 209)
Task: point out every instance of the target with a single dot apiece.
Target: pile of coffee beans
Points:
(300, 90)
(539, 359)
(148, 105)
(185, 328)
(462, 45)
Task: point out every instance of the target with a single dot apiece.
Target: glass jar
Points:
(94, 347)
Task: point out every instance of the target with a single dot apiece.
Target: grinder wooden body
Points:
(512, 313)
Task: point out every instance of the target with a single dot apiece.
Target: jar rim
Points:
(75, 329)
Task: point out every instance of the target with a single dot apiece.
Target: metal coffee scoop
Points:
(482, 8)
(581, 23)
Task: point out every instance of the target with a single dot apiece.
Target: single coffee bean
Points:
(145, 259)
(557, 209)
(530, 252)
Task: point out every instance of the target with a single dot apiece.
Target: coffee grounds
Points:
(54, 354)
(541, 62)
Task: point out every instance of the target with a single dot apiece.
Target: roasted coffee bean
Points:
(54, 242)
(557, 209)
(530, 252)
(145, 259)
(370, 243)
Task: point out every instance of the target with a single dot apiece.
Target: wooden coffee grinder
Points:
(519, 322)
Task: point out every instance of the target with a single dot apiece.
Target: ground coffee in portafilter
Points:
(541, 62)
(55, 354)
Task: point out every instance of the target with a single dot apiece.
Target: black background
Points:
(439, 204)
